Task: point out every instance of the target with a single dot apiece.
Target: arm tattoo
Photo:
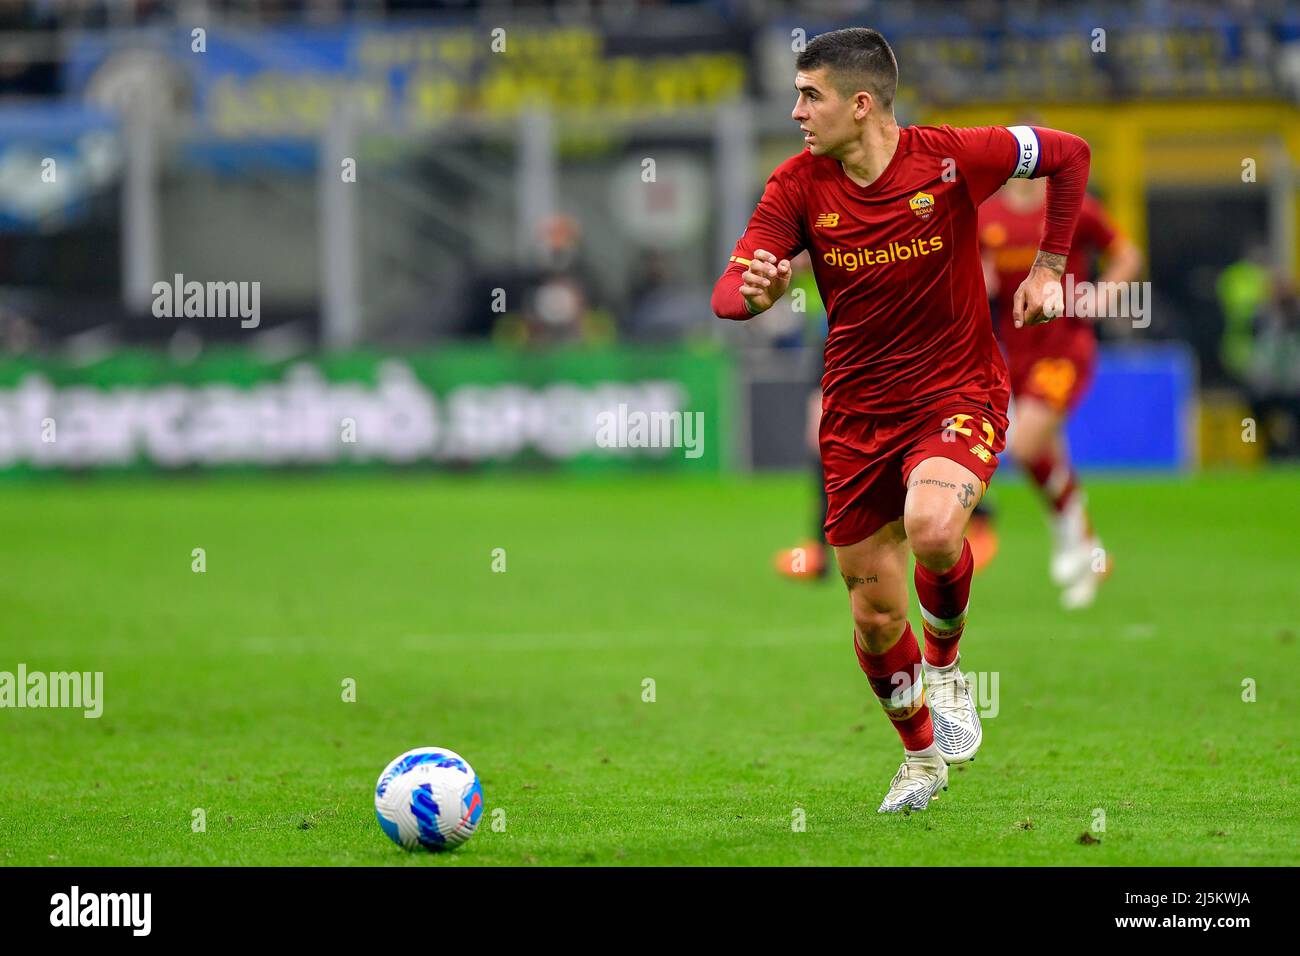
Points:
(966, 497)
(1050, 260)
(932, 481)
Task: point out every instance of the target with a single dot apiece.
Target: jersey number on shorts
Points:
(957, 424)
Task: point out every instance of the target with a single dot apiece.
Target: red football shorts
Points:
(1057, 372)
(868, 458)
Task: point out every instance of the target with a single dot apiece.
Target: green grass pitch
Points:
(223, 690)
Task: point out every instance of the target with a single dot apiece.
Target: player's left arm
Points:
(1064, 159)
(989, 155)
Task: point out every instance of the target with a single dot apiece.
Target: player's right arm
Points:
(759, 271)
(764, 281)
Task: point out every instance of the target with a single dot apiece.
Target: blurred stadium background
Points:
(472, 225)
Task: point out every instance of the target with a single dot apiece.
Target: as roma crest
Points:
(922, 204)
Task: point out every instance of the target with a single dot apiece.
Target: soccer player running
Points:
(1051, 366)
(915, 391)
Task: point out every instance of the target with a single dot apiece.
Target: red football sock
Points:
(1055, 479)
(944, 597)
(895, 676)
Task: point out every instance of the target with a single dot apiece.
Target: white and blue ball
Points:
(429, 797)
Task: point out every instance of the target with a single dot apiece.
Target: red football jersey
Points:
(897, 262)
(1012, 239)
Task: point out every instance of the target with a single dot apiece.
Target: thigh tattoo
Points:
(966, 497)
(850, 581)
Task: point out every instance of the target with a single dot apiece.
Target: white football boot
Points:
(917, 783)
(1069, 542)
(1082, 591)
(1079, 562)
(957, 731)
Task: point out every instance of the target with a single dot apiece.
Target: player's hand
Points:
(765, 280)
(1039, 298)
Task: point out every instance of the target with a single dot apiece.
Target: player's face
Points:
(825, 117)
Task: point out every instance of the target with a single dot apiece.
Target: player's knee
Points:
(936, 539)
(877, 625)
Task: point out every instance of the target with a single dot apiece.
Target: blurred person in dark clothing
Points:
(1273, 375)
(557, 306)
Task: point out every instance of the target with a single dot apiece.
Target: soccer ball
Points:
(428, 797)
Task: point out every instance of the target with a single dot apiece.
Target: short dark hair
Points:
(858, 58)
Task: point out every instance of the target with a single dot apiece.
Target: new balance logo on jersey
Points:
(827, 220)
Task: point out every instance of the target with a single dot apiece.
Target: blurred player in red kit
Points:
(1051, 368)
(914, 397)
